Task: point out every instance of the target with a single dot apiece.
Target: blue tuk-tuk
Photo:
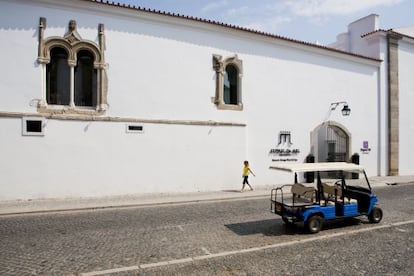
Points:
(328, 191)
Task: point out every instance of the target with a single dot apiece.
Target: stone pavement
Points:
(73, 204)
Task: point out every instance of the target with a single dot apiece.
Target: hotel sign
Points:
(284, 150)
(365, 147)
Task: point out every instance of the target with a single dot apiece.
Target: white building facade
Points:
(396, 48)
(100, 99)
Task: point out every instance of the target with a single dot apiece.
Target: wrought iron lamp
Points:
(346, 111)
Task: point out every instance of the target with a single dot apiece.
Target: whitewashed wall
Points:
(98, 159)
(161, 68)
(383, 113)
(353, 41)
(406, 89)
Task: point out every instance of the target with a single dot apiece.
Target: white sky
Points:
(307, 20)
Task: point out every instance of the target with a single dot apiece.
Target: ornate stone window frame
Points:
(219, 66)
(72, 42)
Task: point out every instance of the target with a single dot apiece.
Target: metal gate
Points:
(333, 146)
(336, 144)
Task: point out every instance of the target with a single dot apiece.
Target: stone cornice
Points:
(89, 118)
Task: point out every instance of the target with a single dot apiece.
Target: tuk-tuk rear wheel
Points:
(376, 215)
(314, 224)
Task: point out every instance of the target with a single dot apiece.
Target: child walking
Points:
(246, 172)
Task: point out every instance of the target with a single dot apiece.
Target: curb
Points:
(127, 206)
(17, 208)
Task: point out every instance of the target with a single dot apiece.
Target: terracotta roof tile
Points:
(389, 31)
(226, 25)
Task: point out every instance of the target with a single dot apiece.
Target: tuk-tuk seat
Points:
(301, 191)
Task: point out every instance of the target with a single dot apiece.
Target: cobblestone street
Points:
(144, 238)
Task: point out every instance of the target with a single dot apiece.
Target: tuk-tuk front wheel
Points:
(314, 224)
(376, 215)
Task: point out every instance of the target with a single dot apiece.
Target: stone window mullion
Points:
(220, 93)
(72, 85)
(43, 101)
(100, 99)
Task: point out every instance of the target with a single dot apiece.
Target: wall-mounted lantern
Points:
(346, 111)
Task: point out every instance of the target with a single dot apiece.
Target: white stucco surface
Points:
(160, 68)
(406, 86)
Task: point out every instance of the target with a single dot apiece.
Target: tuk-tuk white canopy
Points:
(318, 167)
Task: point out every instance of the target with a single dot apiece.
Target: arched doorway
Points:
(331, 142)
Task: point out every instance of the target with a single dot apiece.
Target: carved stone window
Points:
(85, 80)
(228, 82)
(73, 72)
(58, 77)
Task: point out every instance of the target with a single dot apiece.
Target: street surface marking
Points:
(205, 250)
(241, 251)
(115, 270)
(177, 261)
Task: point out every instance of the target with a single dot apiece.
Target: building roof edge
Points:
(228, 26)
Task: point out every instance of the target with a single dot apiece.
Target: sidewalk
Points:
(73, 204)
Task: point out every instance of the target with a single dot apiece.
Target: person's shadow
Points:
(231, 191)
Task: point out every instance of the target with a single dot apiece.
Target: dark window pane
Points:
(230, 85)
(85, 80)
(135, 128)
(33, 126)
(58, 78)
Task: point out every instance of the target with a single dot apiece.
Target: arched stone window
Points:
(58, 77)
(85, 80)
(228, 82)
(74, 72)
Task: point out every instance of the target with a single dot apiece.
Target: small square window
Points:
(132, 128)
(33, 126)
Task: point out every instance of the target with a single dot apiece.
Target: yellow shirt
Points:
(246, 171)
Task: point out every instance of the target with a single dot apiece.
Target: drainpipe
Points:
(379, 122)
